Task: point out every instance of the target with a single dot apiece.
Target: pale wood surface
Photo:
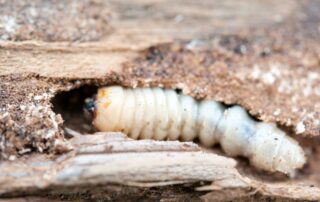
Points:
(144, 163)
(136, 26)
(123, 166)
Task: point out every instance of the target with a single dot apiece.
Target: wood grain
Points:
(139, 163)
(238, 35)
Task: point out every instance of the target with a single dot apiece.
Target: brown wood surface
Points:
(237, 34)
(136, 26)
(113, 160)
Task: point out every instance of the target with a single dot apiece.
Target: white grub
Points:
(145, 113)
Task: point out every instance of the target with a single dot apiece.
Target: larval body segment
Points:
(139, 114)
(155, 113)
(128, 112)
(149, 115)
(210, 113)
(189, 112)
(161, 110)
(175, 115)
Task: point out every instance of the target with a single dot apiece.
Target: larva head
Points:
(89, 104)
(89, 107)
(108, 107)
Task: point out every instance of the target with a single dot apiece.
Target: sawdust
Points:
(27, 120)
(54, 20)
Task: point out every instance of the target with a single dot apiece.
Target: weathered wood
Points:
(136, 26)
(117, 143)
(134, 163)
(152, 164)
(254, 52)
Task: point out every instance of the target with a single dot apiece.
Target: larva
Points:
(156, 113)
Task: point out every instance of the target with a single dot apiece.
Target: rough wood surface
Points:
(136, 26)
(263, 55)
(142, 163)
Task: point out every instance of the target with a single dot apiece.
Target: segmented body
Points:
(155, 113)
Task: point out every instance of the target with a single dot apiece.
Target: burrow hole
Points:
(71, 106)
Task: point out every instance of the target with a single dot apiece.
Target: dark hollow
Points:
(72, 107)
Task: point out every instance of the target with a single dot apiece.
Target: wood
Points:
(144, 163)
(136, 26)
(112, 167)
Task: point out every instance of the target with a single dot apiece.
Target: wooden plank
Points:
(247, 42)
(172, 163)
